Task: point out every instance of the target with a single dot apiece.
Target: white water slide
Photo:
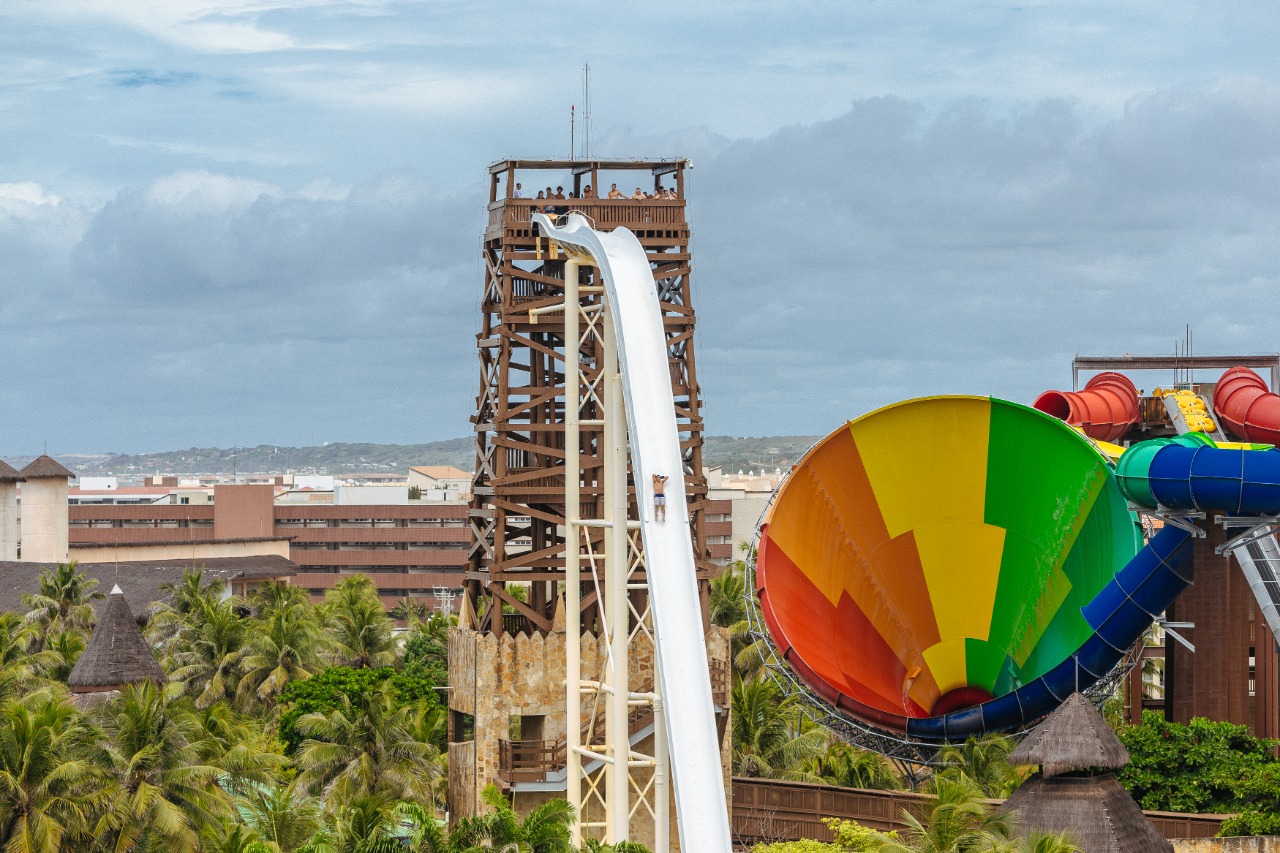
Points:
(632, 302)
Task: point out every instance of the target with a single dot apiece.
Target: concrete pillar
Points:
(44, 511)
(9, 479)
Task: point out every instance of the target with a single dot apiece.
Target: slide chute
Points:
(950, 566)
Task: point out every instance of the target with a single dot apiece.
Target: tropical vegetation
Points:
(283, 726)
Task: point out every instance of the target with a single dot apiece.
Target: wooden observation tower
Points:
(546, 702)
(518, 512)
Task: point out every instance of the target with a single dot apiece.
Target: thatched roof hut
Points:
(1074, 737)
(117, 653)
(9, 474)
(1076, 790)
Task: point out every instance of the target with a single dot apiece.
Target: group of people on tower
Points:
(664, 193)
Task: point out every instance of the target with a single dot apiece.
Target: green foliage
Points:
(1202, 767)
(771, 737)
(985, 761)
(853, 836)
(851, 767)
(960, 821)
(415, 493)
(1251, 822)
(804, 845)
(325, 691)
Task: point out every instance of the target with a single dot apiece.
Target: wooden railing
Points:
(720, 682)
(605, 213)
(527, 760)
(535, 760)
(767, 810)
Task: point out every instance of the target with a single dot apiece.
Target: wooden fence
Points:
(771, 810)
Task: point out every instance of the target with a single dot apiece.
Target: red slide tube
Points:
(1106, 409)
(1246, 407)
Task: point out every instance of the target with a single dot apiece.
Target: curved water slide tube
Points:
(950, 566)
(1105, 409)
(1246, 407)
(654, 440)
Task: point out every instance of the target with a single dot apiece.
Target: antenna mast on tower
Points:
(586, 111)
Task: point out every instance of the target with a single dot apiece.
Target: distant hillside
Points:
(733, 454)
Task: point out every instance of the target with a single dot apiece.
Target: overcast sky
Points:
(258, 221)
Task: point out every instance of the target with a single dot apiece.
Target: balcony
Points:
(512, 216)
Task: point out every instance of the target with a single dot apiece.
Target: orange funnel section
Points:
(1247, 408)
(1105, 409)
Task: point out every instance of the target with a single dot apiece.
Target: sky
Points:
(242, 222)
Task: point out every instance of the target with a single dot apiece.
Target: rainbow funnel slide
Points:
(950, 566)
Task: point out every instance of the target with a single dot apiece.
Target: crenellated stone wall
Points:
(496, 678)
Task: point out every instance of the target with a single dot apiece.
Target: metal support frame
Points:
(1181, 519)
(607, 800)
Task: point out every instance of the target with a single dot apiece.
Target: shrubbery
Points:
(1204, 767)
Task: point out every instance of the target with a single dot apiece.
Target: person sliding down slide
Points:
(659, 497)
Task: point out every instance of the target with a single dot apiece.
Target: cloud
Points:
(898, 249)
(209, 307)
(137, 77)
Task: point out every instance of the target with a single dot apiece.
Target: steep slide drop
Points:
(632, 299)
(949, 566)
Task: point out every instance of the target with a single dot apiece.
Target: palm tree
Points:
(207, 656)
(364, 748)
(281, 816)
(728, 597)
(547, 829)
(283, 647)
(409, 610)
(960, 821)
(1050, 843)
(985, 760)
(419, 830)
(248, 755)
(770, 736)
(186, 599)
(851, 767)
(20, 662)
(274, 595)
(358, 625)
(63, 649)
(165, 795)
(366, 825)
(63, 599)
(592, 845)
(45, 793)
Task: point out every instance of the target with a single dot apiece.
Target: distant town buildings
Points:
(409, 533)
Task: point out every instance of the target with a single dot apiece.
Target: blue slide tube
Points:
(1240, 482)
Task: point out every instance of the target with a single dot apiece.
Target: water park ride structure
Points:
(934, 569)
(605, 666)
(950, 566)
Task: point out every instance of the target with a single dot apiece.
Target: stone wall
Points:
(1247, 844)
(494, 679)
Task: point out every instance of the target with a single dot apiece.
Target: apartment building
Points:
(414, 549)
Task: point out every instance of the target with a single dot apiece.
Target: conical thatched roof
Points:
(46, 466)
(1096, 811)
(117, 653)
(9, 474)
(1074, 737)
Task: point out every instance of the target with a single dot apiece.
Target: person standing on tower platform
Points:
(519, 191)
(660, 497)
